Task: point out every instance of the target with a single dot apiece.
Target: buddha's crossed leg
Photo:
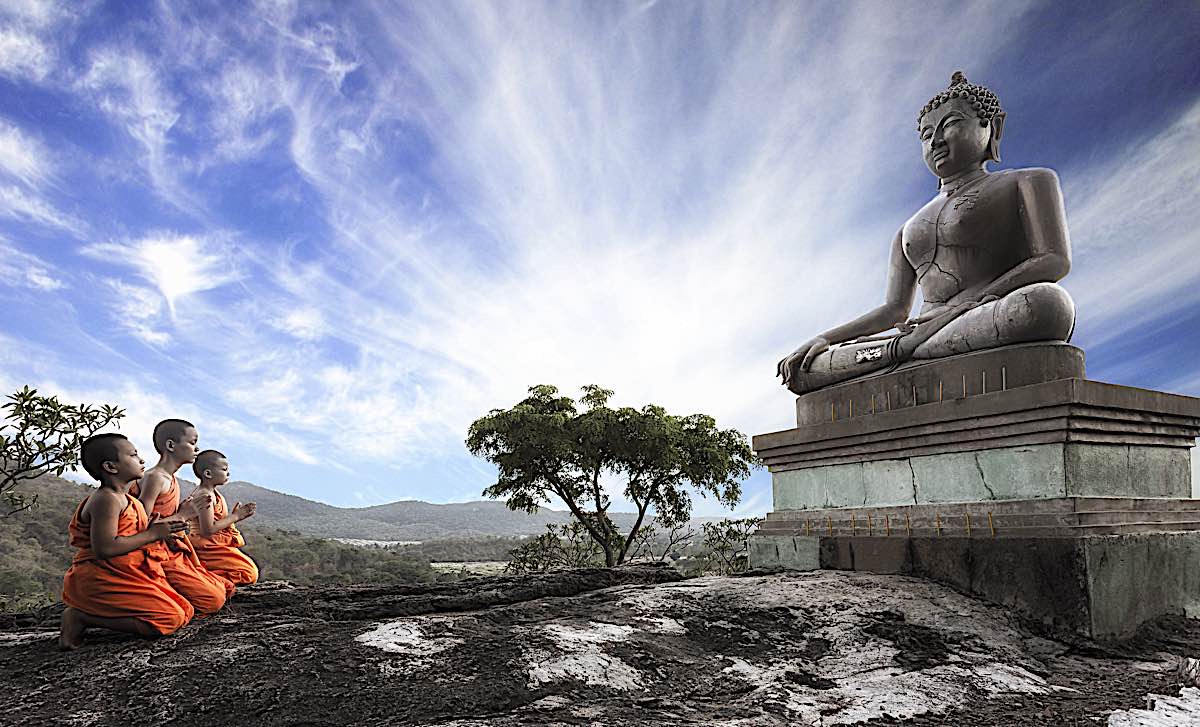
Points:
(1037, 312)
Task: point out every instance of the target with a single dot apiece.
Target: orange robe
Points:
(207, 591)
(133, 585)
(220, 552)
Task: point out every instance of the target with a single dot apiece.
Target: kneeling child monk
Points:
(116, 580)
(216, 538)
(176, 441)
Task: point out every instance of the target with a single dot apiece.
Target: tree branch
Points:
(580, 516)
(637, 525)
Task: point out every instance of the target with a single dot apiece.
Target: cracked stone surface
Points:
(1162, 711)
(913, 472)
(983, 478)
(633, 646)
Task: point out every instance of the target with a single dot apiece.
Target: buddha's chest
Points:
(955, 241)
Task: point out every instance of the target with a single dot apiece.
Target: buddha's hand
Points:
(948, 311)
(929, 315)
(802, 358)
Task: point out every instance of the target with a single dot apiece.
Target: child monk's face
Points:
(128, 465)
(218, 472)
(188, 445)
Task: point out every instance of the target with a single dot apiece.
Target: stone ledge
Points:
(1046, 517)
(1031, 471)
(1067, 410)
(1103, 587)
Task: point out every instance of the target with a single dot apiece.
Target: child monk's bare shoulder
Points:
(104, 501)
(154, 476)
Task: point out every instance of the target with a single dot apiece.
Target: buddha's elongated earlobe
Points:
(993, 150)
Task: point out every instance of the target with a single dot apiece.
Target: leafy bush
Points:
(722, 551)
(660, 542)
(561, 547)
(726, 545)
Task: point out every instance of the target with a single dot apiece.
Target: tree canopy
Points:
(549, 446)
(40, 436)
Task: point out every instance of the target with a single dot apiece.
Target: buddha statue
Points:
(986, 253)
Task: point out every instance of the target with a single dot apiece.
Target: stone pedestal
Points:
(1005, 473)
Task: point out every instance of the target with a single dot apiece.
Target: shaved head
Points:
(97, 450)
(170, 429)
(206, 460)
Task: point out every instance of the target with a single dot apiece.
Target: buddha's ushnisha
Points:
(986, 252)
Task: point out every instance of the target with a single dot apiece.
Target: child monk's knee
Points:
(168, 622)
(207, 601)
(248, 575)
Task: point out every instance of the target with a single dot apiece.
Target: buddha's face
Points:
(952, 140)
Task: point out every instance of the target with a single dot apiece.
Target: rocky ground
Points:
(633, 646)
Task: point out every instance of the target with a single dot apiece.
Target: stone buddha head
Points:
(960, 128)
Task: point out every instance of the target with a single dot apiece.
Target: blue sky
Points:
(332, 235)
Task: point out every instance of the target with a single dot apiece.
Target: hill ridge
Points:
(399, 520)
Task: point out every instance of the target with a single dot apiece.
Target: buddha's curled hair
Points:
(985, 102)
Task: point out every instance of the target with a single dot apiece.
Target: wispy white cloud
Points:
(23, 157)
(27, 178)
(38, 14)
(242, 102)
(20, 204)
(369, 410)
(178, 266)
(23, 56)
(139, 310)
(127, 86)
(145, 402)
(277, 444)
(321, 45)
(1136, 212)
(31, 33)
(23, 269)
(307, 324)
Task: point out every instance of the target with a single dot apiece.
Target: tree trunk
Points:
(637, 525)
(598, 530)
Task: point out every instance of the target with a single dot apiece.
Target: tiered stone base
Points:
(990, 519)
(1063, 498)
(1096, 566)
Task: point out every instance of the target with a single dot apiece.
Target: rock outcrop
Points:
(630, 646)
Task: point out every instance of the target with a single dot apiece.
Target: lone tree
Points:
(40, 436)
(546, 448)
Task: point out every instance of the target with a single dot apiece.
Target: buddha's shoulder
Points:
(1026, 176)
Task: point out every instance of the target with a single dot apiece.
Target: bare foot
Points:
(71, 630)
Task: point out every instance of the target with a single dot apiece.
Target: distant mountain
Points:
(403, 520)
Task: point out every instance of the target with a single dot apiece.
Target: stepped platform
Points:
(1005, 473)
(1048, 517)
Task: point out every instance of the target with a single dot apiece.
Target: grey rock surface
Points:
(630, 647)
